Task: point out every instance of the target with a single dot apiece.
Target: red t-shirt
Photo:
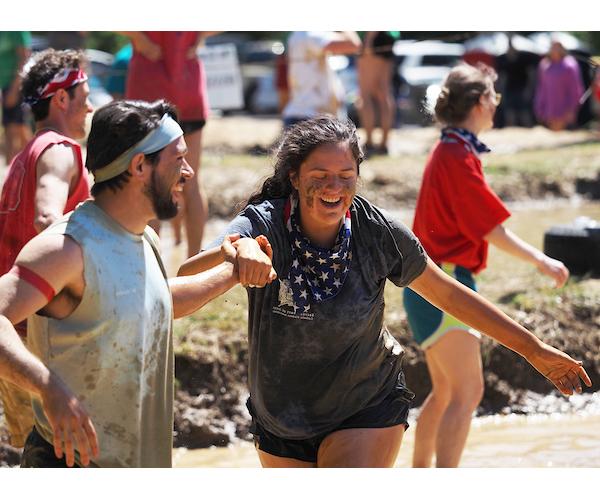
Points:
(17, 209)
(174, 77)
(456, 208)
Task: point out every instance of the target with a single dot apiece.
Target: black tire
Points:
(577, 248)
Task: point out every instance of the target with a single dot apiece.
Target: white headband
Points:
(167, 131)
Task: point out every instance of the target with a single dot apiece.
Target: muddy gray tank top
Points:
(115, 351)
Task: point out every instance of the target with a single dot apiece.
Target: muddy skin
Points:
(317, 186)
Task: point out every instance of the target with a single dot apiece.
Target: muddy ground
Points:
(211, 378)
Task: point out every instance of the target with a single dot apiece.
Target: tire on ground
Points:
(577, 248)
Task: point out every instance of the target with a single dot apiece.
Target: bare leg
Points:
(366, 81)
(457, 354)
(431, 414)
(16, 136)
(196, 203)
(274, 462)
(361, 447)
(385, 98)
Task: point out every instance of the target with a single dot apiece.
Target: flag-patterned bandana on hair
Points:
(316, 274)
(64, 79)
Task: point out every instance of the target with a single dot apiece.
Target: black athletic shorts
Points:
(383, 43)
(13, 115)
(39, 453)
(393, 410)
(192, 126)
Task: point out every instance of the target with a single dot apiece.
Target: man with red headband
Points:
(44, 181)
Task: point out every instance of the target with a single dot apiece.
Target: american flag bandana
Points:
(64, 79)
(316, 274)
(466, 136)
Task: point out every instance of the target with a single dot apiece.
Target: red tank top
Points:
(17, 209)
(174, 77)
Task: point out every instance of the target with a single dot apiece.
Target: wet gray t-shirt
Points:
(309, 371)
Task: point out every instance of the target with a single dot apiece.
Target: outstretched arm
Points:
(459, 301)
(510, 243)
(211, 273)
(58, 261)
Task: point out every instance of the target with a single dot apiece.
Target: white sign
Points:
(223, 76)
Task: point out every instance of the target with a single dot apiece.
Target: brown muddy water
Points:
(496, 441)
(568, 437)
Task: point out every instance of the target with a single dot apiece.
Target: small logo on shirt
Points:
(286, 306)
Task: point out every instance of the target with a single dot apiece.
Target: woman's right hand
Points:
(555, 269)
(560, 368)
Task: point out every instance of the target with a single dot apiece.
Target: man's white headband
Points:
(167, 131)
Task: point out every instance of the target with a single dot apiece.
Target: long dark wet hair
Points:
(298, 142)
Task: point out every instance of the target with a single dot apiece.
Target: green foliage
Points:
(108, 41)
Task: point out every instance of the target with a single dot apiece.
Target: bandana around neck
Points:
(64, 79)
(316, 274)
(466, 136)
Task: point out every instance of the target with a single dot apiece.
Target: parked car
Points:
(421, 69)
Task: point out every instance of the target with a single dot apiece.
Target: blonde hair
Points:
(461, 91)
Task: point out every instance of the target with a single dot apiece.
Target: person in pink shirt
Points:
(559, 88)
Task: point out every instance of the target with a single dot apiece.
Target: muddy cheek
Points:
(310, 193)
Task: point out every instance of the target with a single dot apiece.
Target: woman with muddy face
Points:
(457, 215)
(325, 376)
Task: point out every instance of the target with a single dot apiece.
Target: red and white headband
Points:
(64, 79)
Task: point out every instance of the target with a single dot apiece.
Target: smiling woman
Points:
(326, 382)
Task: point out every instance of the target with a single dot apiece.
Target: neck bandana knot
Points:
(450, 134)
(316, 274)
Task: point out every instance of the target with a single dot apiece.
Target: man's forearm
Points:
(17, 364)
(190, 293)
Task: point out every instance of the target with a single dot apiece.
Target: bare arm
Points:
(55, 170)
(211, 273)
(143, 44)
(58, 260)
(190, 293)
(202, 36)
(345, 43)
(510, 243)
(201, 262)
(459, 301)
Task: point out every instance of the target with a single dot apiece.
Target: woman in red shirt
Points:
(165, 65)
(457, 216)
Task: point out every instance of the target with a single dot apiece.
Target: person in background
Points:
(165, 64)
(516, 80)
(44, 181)
(314, 86)
(15, 48)
(375, 73)
(559, 88)
(456, 217)
(281, 81)
(63, 40)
